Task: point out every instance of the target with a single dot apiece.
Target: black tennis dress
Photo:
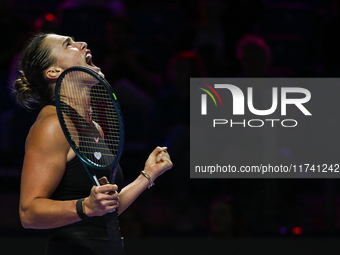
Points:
(87, 236)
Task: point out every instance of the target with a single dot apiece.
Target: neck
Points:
(82, 104)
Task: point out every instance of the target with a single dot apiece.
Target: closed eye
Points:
(67, 42)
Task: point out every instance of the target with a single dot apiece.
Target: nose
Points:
(82, 45)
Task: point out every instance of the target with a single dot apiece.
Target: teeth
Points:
(88, 58)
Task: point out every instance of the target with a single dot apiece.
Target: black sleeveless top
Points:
(76, 184)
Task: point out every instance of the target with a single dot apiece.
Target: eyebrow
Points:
(67, 40)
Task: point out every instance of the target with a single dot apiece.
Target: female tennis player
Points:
(53, 178)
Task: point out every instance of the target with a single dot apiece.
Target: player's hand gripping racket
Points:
(91, 120)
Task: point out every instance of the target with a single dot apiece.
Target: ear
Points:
(52, 73)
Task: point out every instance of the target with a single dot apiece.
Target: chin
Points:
(96, 69)
(101, 74)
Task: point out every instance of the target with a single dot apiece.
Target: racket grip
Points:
(113, 229)
(113, 226)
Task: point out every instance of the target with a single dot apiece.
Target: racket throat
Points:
(95, 180)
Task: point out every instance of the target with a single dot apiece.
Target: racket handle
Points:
(113, 226)
(113, 230)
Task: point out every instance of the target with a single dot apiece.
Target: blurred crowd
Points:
(148, 50)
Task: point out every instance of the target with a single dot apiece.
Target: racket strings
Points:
(97, 135)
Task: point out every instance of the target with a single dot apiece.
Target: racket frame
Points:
(88, 164)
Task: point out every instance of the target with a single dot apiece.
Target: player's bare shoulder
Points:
(46, 128)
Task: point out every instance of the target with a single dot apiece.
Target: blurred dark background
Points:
(148, 50)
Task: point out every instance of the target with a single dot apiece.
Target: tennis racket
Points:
(91, 119)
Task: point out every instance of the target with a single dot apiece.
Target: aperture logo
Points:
(239, 105)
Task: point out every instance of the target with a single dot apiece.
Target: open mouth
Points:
(88, 59)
